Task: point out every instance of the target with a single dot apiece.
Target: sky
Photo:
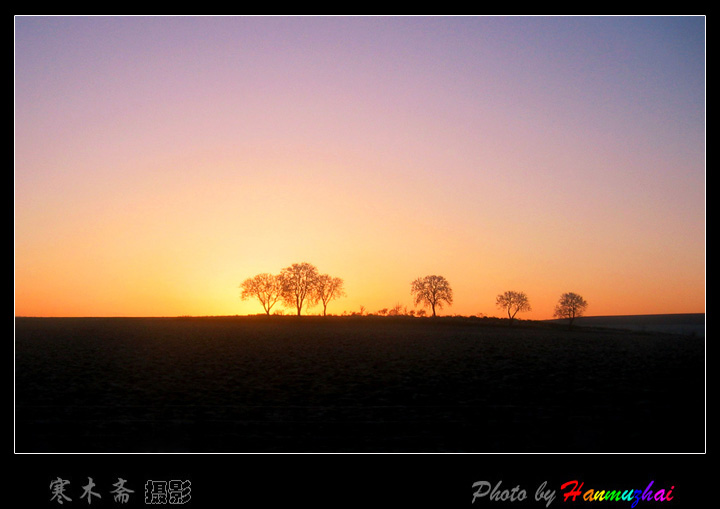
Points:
(161, 161)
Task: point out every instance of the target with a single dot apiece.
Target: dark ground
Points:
(352, 384)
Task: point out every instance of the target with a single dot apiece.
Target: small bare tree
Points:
(267, 288)
(432, 291)
(328, 288)
(513, 302)
(396, 310)
(570, 306)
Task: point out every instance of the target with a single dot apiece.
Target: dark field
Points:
(352, 384)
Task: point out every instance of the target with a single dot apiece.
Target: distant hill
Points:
(682, 323)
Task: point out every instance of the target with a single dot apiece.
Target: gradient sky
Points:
(160, 161)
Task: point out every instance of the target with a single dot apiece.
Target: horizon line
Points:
(356, 315)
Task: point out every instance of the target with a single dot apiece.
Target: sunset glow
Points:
(161, 161)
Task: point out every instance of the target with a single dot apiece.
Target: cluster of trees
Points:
(434, 291)
(301, 285)
(400, 310)
(570, 305)
(298, 286)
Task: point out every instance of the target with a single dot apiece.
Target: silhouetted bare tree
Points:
(299, 285)
(328, 288)
(513, 302)
(570, 306)
(432, 291)
(267, 288)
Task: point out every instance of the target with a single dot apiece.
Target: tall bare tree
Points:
(329, 288)
(570, 306)
(299, 285)
(267, 288)
(432, 291)
(513, 302)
